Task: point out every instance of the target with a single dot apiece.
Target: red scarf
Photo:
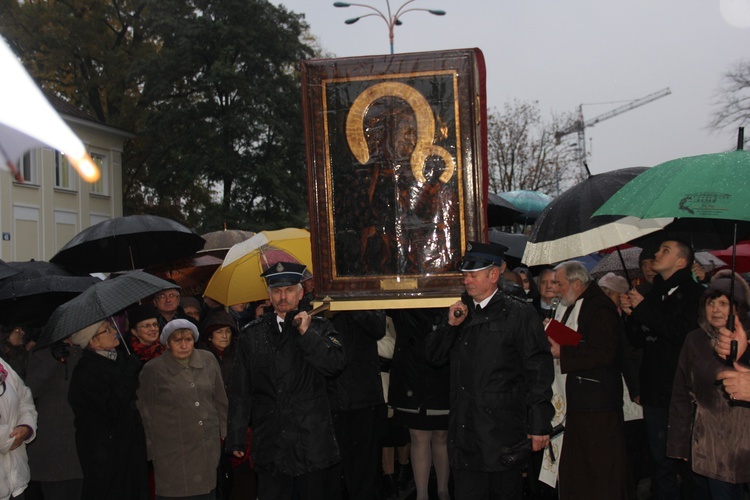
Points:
(146, 352)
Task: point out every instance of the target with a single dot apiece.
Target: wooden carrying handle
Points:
(321, 308)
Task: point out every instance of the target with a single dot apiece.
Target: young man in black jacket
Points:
(667, 313)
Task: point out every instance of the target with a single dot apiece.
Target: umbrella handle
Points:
(321, 308)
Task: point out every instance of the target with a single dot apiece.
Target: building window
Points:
(100, 186)
(27, 168)
(63, 172)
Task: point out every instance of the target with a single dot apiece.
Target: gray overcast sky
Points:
(566, 52)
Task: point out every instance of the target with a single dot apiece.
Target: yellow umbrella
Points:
(238, 279)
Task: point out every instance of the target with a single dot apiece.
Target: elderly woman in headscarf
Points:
(705, 427)
(109, 435)
(184, 409)
(530, 287)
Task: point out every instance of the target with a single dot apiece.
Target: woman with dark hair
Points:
(220, 334)
(705, 427)
(13, 348)
(530, 287)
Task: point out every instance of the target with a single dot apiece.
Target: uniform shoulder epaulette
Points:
(252, 323)
(517, 299)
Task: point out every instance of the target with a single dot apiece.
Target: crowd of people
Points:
(180, 397)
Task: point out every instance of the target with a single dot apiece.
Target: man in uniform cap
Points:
(278, 387)
(501, 373)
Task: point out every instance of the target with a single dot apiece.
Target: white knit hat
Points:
(81, 338)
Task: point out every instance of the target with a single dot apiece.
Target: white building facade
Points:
(53, 204)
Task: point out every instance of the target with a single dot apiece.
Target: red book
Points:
(562, 334)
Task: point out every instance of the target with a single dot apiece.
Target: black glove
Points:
(60, 351)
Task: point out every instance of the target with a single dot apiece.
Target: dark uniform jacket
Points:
(666, 319)
(501, 373)
(110, 439)
(278, 387)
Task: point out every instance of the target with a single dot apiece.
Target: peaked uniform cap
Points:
(480, 256)
(283, 274)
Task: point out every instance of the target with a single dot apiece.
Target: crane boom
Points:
(580, 125)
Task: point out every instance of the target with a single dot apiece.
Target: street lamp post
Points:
(392, 20)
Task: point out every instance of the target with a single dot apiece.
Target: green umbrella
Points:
(529, 203)
(713, 186)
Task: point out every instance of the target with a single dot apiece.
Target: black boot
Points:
(388, 488)
(404, 474)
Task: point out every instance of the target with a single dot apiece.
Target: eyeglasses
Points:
(108, 328)
(148, 326)
(171, 295)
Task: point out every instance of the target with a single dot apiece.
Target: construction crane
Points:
(579, 126)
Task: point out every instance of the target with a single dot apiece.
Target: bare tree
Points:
(733, 98)
(523, 153)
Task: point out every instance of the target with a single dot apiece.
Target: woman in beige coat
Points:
(184, 409)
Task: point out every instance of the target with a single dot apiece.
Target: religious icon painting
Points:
(396, 157)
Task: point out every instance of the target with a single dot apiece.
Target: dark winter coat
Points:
(501, 376)
(704, 426)
(109, 435)
(225, 358)
(278, 387)
(359, 385)
(594, 382)
(52, 455)
(416, 384)
(666, 319)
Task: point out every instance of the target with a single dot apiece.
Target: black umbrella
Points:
(700, 234)
(6, 271)
(500, 212)
(516, 242)
(127, 243)
(30, 296)
(100, 301)
(566, 230)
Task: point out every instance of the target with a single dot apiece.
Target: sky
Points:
(563, 53)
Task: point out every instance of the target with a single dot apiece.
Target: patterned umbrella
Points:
(100, 301)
